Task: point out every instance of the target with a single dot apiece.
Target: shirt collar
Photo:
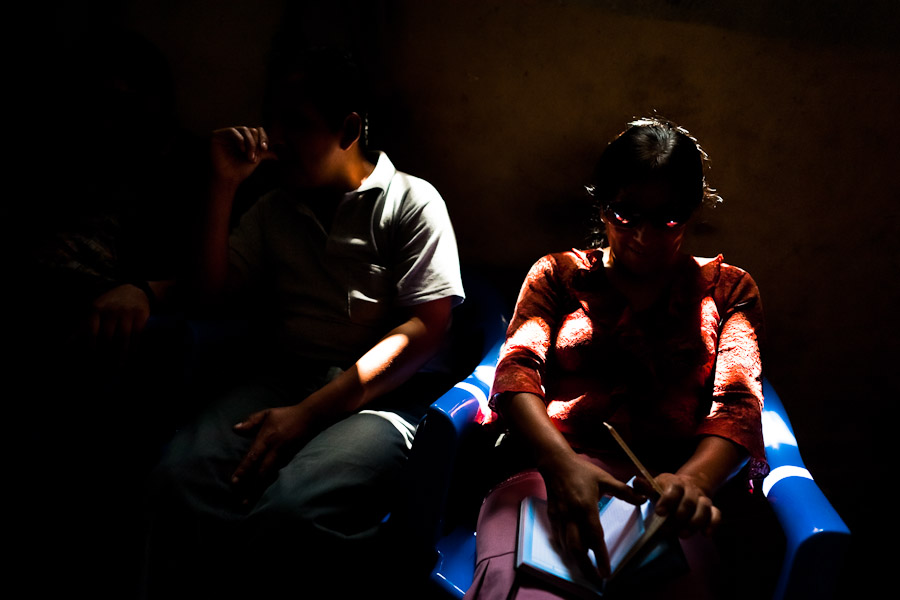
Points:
(380, 177)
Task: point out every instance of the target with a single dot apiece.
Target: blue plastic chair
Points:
(816, 537)
(418, 519)
(447, 426)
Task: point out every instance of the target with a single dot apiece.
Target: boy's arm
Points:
(235, 152)
(281, 432)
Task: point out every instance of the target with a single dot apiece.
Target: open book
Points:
(627, 530)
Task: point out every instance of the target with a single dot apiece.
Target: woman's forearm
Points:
(528, 419)
(714, 461)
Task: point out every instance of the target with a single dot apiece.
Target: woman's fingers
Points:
(690, 511)
(714, 520)
(623, 491)
(595, 540)
(700, 519)
(576, 536)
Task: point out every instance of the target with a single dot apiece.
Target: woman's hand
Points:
(686, 504)
(574, 485)
(687, 494)
(574, 489)
(279, 434)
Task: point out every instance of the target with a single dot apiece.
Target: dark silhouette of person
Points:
(287, 478)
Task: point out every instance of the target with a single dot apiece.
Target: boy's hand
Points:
(235, 152)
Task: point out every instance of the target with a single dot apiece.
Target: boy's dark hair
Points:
(329, 77)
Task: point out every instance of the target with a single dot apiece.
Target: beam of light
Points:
(783, 473)
(776, 431)
(485, 374)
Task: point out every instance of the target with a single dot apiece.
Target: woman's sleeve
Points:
(523, 358)
(737, 399)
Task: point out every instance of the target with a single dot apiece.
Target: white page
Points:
(623, 524)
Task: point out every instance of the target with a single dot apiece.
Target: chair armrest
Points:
(466, 403)
(419, 518)
(816, 537)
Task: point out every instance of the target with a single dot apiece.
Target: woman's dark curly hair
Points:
(650, 149)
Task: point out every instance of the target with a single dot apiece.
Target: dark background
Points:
(505, 107)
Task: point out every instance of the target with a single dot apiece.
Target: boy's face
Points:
(310, 152)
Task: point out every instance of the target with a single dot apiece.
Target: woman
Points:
(636, 333)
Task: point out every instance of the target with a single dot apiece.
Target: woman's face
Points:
(645, 227)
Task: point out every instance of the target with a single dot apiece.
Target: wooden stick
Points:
(634, 459)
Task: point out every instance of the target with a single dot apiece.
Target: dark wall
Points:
(505, 106)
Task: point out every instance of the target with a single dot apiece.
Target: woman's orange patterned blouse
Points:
(688, 366)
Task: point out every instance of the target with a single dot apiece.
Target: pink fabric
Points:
(495, 574)
(496, 542)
